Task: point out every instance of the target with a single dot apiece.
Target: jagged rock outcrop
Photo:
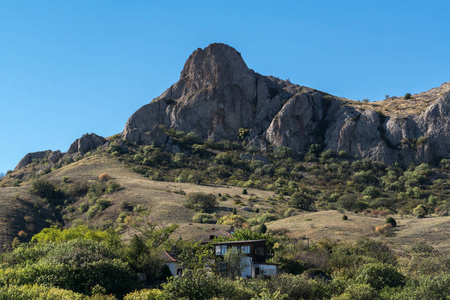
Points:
(28, 158)
(87, 142)
(217, 94)
(80, 147)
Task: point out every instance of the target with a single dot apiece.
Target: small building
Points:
(172, 262)
(254, 258)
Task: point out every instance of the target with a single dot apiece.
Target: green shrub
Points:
(31, 292)
(358, 291)
(380, 275)
(203, 218)
(46, 190)
(83, 207)
(112, 186)
(302, 200)
(420, 211)
(77, 265)
(372, 192)
(201, 202)
(289, 212)
(153, 294)
(103, 203)
(391, 221)
(407, 96)
(235, 220)
(344, 217)
(267, 217)
(193, 285)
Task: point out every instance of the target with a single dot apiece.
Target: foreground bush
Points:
(380, 275)
(153, 294)
(82, 266)
(31, 292)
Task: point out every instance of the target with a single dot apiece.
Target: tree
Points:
(407, 96)
(302, 199)
(235, 261)
(200, 201)
(46, 190)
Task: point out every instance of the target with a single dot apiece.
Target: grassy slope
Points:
(165, 205)
(329, 225)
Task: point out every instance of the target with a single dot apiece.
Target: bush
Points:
(344, 217)
(153, 294)
(193, 285)
(30, 292)
(77, 265)
(289, 212)
(267, 217)
(203, 218)
(372, 192)
(201, 202)
(420, 211)
(235, 220)
(103, 203)
(380, 275)
(391, 221)
(358, 291)
(83, 207)
(302, 200)
(112, 186)
(407, 96)
(46, 190)
(104, 177)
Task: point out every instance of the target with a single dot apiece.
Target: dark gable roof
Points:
(209, 237)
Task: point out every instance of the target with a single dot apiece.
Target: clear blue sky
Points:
(80, 66)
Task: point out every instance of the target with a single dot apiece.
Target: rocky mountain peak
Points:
(217, 94)
(217, 63)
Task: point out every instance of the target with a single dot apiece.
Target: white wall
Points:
(248, 263)
(173, 266)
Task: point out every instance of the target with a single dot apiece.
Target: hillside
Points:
(152, 184)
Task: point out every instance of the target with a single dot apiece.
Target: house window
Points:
(223, 266)
(245, 249)
(221, 249)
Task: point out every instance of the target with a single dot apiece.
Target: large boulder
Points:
(86, 143)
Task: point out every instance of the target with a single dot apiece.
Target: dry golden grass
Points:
(162, 201)
(400, 107)
(329, 225)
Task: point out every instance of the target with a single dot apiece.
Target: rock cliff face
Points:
(217, 94)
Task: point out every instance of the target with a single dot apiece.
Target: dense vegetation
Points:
(86, 263)
(82, 263)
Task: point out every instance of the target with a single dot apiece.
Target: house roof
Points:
(209, 237)
(168, 257)
(239, 242)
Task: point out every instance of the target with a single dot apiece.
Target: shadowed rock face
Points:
(217, 94)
